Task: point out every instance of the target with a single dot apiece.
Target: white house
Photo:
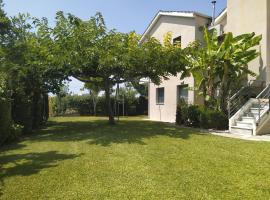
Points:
(240, 16)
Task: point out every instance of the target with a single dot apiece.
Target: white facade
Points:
(240, 16)
(188, 26)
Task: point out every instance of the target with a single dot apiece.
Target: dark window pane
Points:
(182, 92)
(177, 41)
(160, 95)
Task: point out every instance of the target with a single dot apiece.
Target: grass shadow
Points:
(29, 163)
(99, 132)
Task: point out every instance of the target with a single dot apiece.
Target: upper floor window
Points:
(177, 41)
(160, 95)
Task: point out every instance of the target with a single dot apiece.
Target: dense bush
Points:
(200, 117)
(5, 120)
(8, 130)
(213, 119)
(83, 105)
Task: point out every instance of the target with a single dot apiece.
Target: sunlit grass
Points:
(85, 158)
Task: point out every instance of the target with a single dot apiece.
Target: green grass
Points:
(85, 158)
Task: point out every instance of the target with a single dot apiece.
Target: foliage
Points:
(94, 91)
(82, 105)
(213, 119)
(219, 64)
(93, 54)
(200, 117)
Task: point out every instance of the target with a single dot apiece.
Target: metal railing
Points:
(237, 101)
(241, 97)
(263, 99)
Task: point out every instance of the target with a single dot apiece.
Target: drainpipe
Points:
(214, 12)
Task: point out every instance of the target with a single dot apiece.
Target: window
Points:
(160, 95)
(177, 41)
(182, 92)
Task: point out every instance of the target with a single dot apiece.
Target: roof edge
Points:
(221, 16)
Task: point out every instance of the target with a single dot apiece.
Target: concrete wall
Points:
(246, 16)
(188, 29)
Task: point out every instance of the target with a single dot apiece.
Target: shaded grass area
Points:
(85, 158)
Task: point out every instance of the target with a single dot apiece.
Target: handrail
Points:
(236, 94)
(243, 95)
(261, 107)
(262, 91)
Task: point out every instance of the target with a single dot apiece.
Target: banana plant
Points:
(218, 63)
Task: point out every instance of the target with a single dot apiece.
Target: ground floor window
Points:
(160, 95)
(182, 93)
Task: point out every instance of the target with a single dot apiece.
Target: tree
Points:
(32, 72)
(94, 91)
(95, 55)
(219, 64)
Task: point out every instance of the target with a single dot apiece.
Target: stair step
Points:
(251, 115)
(248, 119)
(241, 130)
(244, 124)
(256, 110)
(258, 106)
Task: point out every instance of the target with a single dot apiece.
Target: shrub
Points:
(5, 109)
(217, 120)
(83, 105)
(200, 117)
(181, 111)
(5, 120)
(15, 132)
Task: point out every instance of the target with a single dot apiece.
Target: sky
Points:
(123, 15)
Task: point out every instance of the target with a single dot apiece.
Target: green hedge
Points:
(200, 117)
(8, 130)
(83, 105)
(5, 120)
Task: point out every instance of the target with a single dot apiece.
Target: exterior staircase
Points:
(250, 117)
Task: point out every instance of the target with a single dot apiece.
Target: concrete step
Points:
(253, 115)
(241, 130)
(249, 119)
(255, 110)
(244, 124)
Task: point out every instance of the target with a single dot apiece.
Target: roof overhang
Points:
(221, 16)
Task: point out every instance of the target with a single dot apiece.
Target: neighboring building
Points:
(240, 16)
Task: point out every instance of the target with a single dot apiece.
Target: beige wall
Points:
(246, 16)
(179, 26)
(188, 29)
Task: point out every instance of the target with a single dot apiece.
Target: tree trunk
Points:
(37, 109)
(108, 101)
(95, 106)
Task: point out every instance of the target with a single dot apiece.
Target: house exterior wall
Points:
(246, 16)
(188, 29)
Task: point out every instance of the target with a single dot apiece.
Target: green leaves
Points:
(221, 63)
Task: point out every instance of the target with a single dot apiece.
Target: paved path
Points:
(265, 138)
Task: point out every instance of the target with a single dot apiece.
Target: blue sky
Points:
(123, 15)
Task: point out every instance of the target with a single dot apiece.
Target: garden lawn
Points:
(85, 158)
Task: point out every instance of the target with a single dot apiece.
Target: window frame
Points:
(178, 87)
(158, 98)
